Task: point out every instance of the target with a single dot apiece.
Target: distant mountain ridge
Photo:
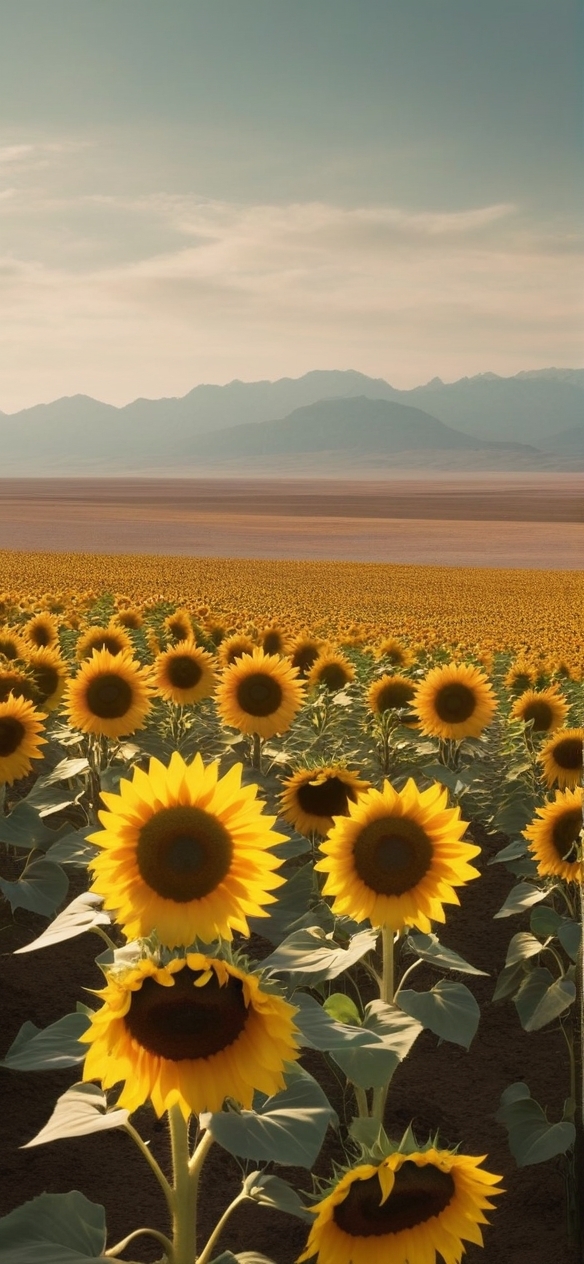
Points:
(530, 421)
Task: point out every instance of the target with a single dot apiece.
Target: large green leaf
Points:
(544, 921)
(49, 1050)
(509, 981)
(449, 1010)
(513, 851)
(24, 827)
(73, 848)
(311, 951)
(520, 899)
(429, 948)
(41, 888)
(541, 998)
(81, 914)
(272, 1191)
(79, 1111)
(294, 899)
(532, 1139)
(288, 1128)
(372, 1065)
(54, 1229)
(521, 947)
(570, 937)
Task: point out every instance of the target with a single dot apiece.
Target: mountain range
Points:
(326, 422)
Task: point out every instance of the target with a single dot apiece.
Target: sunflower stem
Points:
(361, 1100)
(256, 752)
(116, 1250)
(205, 1255)
(387, 985)
(185, 1190)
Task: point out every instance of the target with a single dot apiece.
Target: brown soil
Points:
(439, 1086)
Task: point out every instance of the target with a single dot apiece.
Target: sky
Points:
(201, 190)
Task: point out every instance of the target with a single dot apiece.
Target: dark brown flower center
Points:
(395, 655)
(185, 1021)
(333, 675)
(13, 682)
(541, 713)
(325, 798)
(259, 694)
(11, 734)
(304, 656)
(566, 832)
(179, 629)
(419, 1194)
(393, 695)
(183, 853)
(41, 636)
(109, 696)
(567, 753)
(8, 648)
(392, 855)
(520, 682)
(183, 671)
(272, 642)
(454, 703)
(46, 679)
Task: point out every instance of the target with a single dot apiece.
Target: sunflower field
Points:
(281, 796)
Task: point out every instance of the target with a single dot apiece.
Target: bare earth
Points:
(514, 520)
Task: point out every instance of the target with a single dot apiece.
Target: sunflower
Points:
(110, 695)
(521, 676)
(397, 857)
(334, 671)
(190, 1033)
(17, 680)
(129, 617)
(395, 653)
(313, 796)
(111, 638)
(186, 853)
(410, 1207)
(304, 652)
(390, 693)
(555, 839)
(178, 625)
(20, 737)
(11, 645)
(273, 640)
(545, 707)
(234, 647)
(454, 701)
(562, 758)
(259, 694)
(49, 673)
(42, 631)
(184, 673)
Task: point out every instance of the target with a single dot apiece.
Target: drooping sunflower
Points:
(186, 853)
(111, 638)
(334, 671)
(49, 673)
(21, 730)
(184, 673)
(192, 1032)
(42, 631)
(313, 796)
(454, 701)
(390, 693)
(260, 693)
(234, 647)
(555, 840)
(304, 653)
(546, 707)
(109, 695)
(409, 1208)
(396, 858)
(562, 758)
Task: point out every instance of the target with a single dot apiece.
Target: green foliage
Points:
(54, 1229)
(291, 1125)
(449, 1010)
(532, 1139)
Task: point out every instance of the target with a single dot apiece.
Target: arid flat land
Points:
(513, 520)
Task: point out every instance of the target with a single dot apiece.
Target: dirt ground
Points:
(519, 520)
(439, 1086)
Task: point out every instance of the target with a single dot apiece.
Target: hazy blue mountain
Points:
(568, 442)
(524, 409)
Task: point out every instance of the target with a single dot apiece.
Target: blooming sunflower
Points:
(334, 671)
(234, 647)
(190, 1033)
(409, 1207)
(17, 680)
(546, 707)
(129, 617)
(109, 695)
(186, 853)
(184, 673)
(313, 796)
(395, 653)
(273, 640)
(49, 674)
(522, 675)
(390, 693)
(555, 839)
(259, 693)
(454, 701)
(562, 758)
(112, 638)
(42, 631)
(396, 857)
(20, 737)
(11, 644)
(304, 653)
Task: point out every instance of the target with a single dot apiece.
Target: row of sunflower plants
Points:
(167, 866)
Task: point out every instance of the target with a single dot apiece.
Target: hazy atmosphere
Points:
(200, 191)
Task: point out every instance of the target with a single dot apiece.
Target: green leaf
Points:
(294, 899)
(570, 937)
(515, 849)
(544, 921)
(514, 815)
(72, 849)
(54, 1229)
(541, 998)
(311, 951)
(438, 772)
(391, 1036)
(271, 1191)
(509, 981)
(64, 770)
(429, 948)
(449, 1010)
(290, 1126)
(79, 1111)
(520, 899)
(57, 1046)
(41, 888)
(24, 827)
(82, 914)
(371, 1136)
(342, 1009)
(531, 1138)
(522, 946)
